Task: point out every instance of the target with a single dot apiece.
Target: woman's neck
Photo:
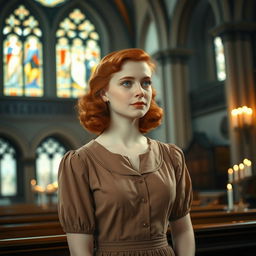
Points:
(122, 131)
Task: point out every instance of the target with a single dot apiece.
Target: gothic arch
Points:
(160, 16)
(144, 28)
(17, 139)
(225, 12)
(62, 134)
(181, 21)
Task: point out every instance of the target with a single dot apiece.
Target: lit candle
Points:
(240, 116)
(245, 161)
(247, 115)
(230, 175)
(241, 171)
(249, 170)
(248, 167)
(236, 176)
(234, 114)
(230, 197)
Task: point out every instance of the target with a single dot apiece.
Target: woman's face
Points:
(129, 92)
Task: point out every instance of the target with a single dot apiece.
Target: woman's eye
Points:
(126, 83)
(146, 83)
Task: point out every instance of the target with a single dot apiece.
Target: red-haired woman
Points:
(121, 190)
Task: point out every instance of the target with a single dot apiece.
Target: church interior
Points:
(205, 51)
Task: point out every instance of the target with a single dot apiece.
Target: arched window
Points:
(50, 3)
(22, 49)
(220, 59)
(77, 54)
(48, 156)
(8, 169)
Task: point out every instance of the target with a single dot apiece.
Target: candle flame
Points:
(230, 171)
(235, 167)
(229, 186)
(241, 166)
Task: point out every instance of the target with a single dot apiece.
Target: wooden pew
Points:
(30, 229)
(55, 245)
(227, 239)
(215, 217)
(25, 231)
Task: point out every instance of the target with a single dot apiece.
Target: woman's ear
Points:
(104, 96)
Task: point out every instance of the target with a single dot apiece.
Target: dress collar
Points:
(150, 161)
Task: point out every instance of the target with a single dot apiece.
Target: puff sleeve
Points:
(182, 203)
(75, 201)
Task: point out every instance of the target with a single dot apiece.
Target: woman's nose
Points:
(139, 92)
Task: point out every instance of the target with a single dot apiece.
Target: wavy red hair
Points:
(93, 112)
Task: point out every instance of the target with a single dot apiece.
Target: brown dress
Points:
(127, 211)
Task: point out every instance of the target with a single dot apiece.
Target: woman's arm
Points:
(80, 244)
(183, 236)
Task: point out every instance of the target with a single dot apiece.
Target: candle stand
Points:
(241, 205)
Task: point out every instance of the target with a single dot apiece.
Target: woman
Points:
(121, 189)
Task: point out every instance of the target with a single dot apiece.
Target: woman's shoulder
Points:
(170, 151)
(168, 147)
(78, 155)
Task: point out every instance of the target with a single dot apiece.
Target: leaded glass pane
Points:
(49, 154)
(32, 67)
(8, 169)
(13, 66)
(50, 3)
(220, 59)
(77, 54)
(22, 55)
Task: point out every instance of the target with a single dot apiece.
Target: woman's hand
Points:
(80, 244)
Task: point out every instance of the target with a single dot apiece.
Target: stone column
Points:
(240, 91)
(177, 114)
(29, 174)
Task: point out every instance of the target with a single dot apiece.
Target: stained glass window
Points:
(77, 54)
(49, 154)
(220, 59)
(8, 169)
(22, 48)
(50, 3)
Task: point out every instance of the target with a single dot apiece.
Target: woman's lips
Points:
(138, 104)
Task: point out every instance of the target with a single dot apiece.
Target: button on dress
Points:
(127, 211)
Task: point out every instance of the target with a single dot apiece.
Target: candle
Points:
(241, 171)
(247, 114)
(249, 170)
(240, 116)
(234, 114)
(236, 176)
(248, 167)
(230, 197)
(230, 175)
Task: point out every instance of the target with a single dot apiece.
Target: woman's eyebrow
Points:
(127, 77)
(131, 77)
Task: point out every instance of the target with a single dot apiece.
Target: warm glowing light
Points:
(241, 166)
(33, 182)
(229, 186)
(230, 171)
(235, 167)
(241, 116)
(245, 161)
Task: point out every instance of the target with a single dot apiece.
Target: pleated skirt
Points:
(155, 247)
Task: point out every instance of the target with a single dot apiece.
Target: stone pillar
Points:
(240, 91)
(177, 115)
(29, 174)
